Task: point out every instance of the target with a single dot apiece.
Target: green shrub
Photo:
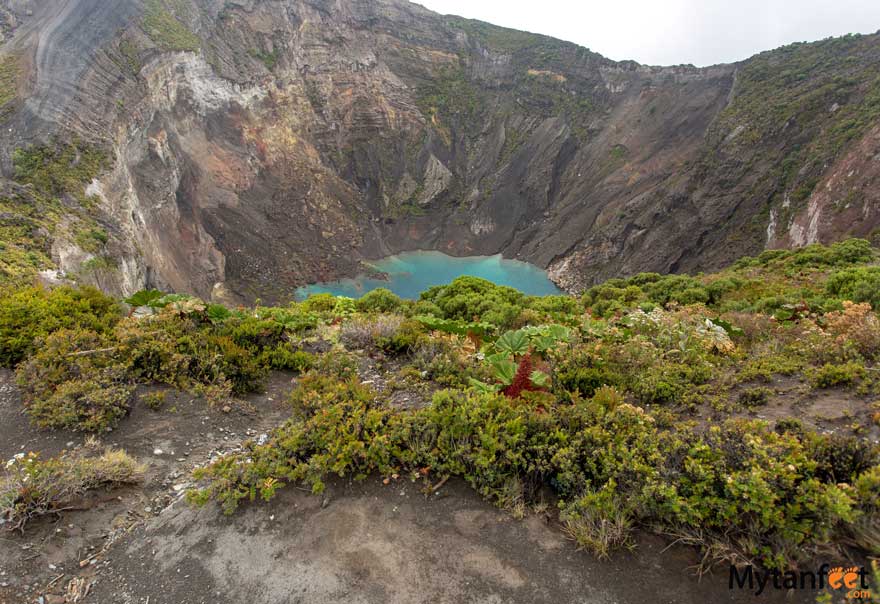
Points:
(403, 341)
(340, 365)
(283, 358)
(718, 288)
(830, 375)
(610, 308)
(155, 400)
(254, 333)
(852, 251)
(29, 313)
(316, 391)
(295, 319)
(739, 488)
(676, 288)
(379, 300)
(599, 522)
(71, 382)
(666, 383)
(616, 295)
(692, 295)
(839, 458)
(482, 438)
(866, 530)
(217, 358)
(843, 253)
(856, 284)
(555, 306)
(319, 303)
(755, 397)
(755, 486)
(606, 399)
(476, 300)
(149, 350)
(775, 288)
(89, 405)
(764, 367)
(475, 331)
(184, 352)
(350, 435)
(184, 346)
(583, 378)
(601, 297)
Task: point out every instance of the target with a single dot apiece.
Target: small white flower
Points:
(15, 458)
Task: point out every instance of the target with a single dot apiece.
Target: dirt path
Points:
(358, 543)
(375, 543)
(392, 545)
(170, 442)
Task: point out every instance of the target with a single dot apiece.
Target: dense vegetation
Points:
(162, 24)
(633, 406)
(49, 203)
(796, 108)
(9, 74)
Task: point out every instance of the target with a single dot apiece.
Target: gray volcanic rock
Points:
(259, 145)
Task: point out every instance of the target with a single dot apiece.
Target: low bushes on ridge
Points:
(757, 491)
(591, 400)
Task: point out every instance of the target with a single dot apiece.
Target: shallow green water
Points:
(411, 273)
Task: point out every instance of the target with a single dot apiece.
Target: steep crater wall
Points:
(259, 145)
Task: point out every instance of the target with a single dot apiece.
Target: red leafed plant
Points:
(522, 381)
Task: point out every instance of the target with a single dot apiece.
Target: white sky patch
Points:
(672, 32)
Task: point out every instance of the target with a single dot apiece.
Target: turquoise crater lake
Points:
(411, 273)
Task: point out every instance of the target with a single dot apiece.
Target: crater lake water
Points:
(411, 273)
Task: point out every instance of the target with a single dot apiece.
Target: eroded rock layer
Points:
(257, 145)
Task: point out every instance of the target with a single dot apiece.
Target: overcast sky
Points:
(669, 32)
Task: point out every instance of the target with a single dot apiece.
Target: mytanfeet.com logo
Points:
(852, 581)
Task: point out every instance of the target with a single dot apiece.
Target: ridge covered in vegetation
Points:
(48, 204)
(636, 406)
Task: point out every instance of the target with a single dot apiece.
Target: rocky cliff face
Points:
(256, 145)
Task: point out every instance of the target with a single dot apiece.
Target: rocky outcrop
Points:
(259, 145)
(845, 201)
